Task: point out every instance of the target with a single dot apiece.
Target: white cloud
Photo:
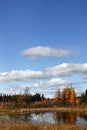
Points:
(67, 69)
(57, 82)
(35, 52)
(16, 75)
(64, 69)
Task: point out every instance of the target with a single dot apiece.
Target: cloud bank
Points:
(67, 69)
(38, 51)
(49, 83)
(16, 75)
(64, 69)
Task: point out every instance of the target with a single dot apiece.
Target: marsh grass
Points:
(31, 126)
(52, 109)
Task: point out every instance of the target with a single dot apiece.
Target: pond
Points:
(49, 118)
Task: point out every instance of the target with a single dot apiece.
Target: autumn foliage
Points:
(65, 97)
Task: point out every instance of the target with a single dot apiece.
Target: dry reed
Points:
(31, 126)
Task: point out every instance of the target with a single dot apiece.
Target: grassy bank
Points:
(30, 126)
(59, 109)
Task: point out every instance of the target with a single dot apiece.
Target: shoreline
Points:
(10, 125)
(50, 109)
(33, 126)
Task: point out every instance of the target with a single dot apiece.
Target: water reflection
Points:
(66, 118)
(84, 116)
(49, 117)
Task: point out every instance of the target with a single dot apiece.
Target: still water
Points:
(49, 117)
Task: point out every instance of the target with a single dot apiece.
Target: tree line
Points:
(65, 97)
(69, 97)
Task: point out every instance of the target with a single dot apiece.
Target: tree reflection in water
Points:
(49, 117)
(65, 118)
(84, 116)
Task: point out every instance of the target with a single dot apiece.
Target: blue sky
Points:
(41, 36)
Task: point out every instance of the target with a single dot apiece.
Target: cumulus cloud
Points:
(16, 75)
(67, 69)
(35, 52)
(64, 69)
(57, 82)
(50, 83)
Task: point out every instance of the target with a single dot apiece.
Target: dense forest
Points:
(65, 97)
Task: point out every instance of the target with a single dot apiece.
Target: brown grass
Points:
(31, 126)
(59, 109)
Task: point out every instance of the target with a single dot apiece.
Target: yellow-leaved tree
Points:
(67, 95)
(72, 97)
